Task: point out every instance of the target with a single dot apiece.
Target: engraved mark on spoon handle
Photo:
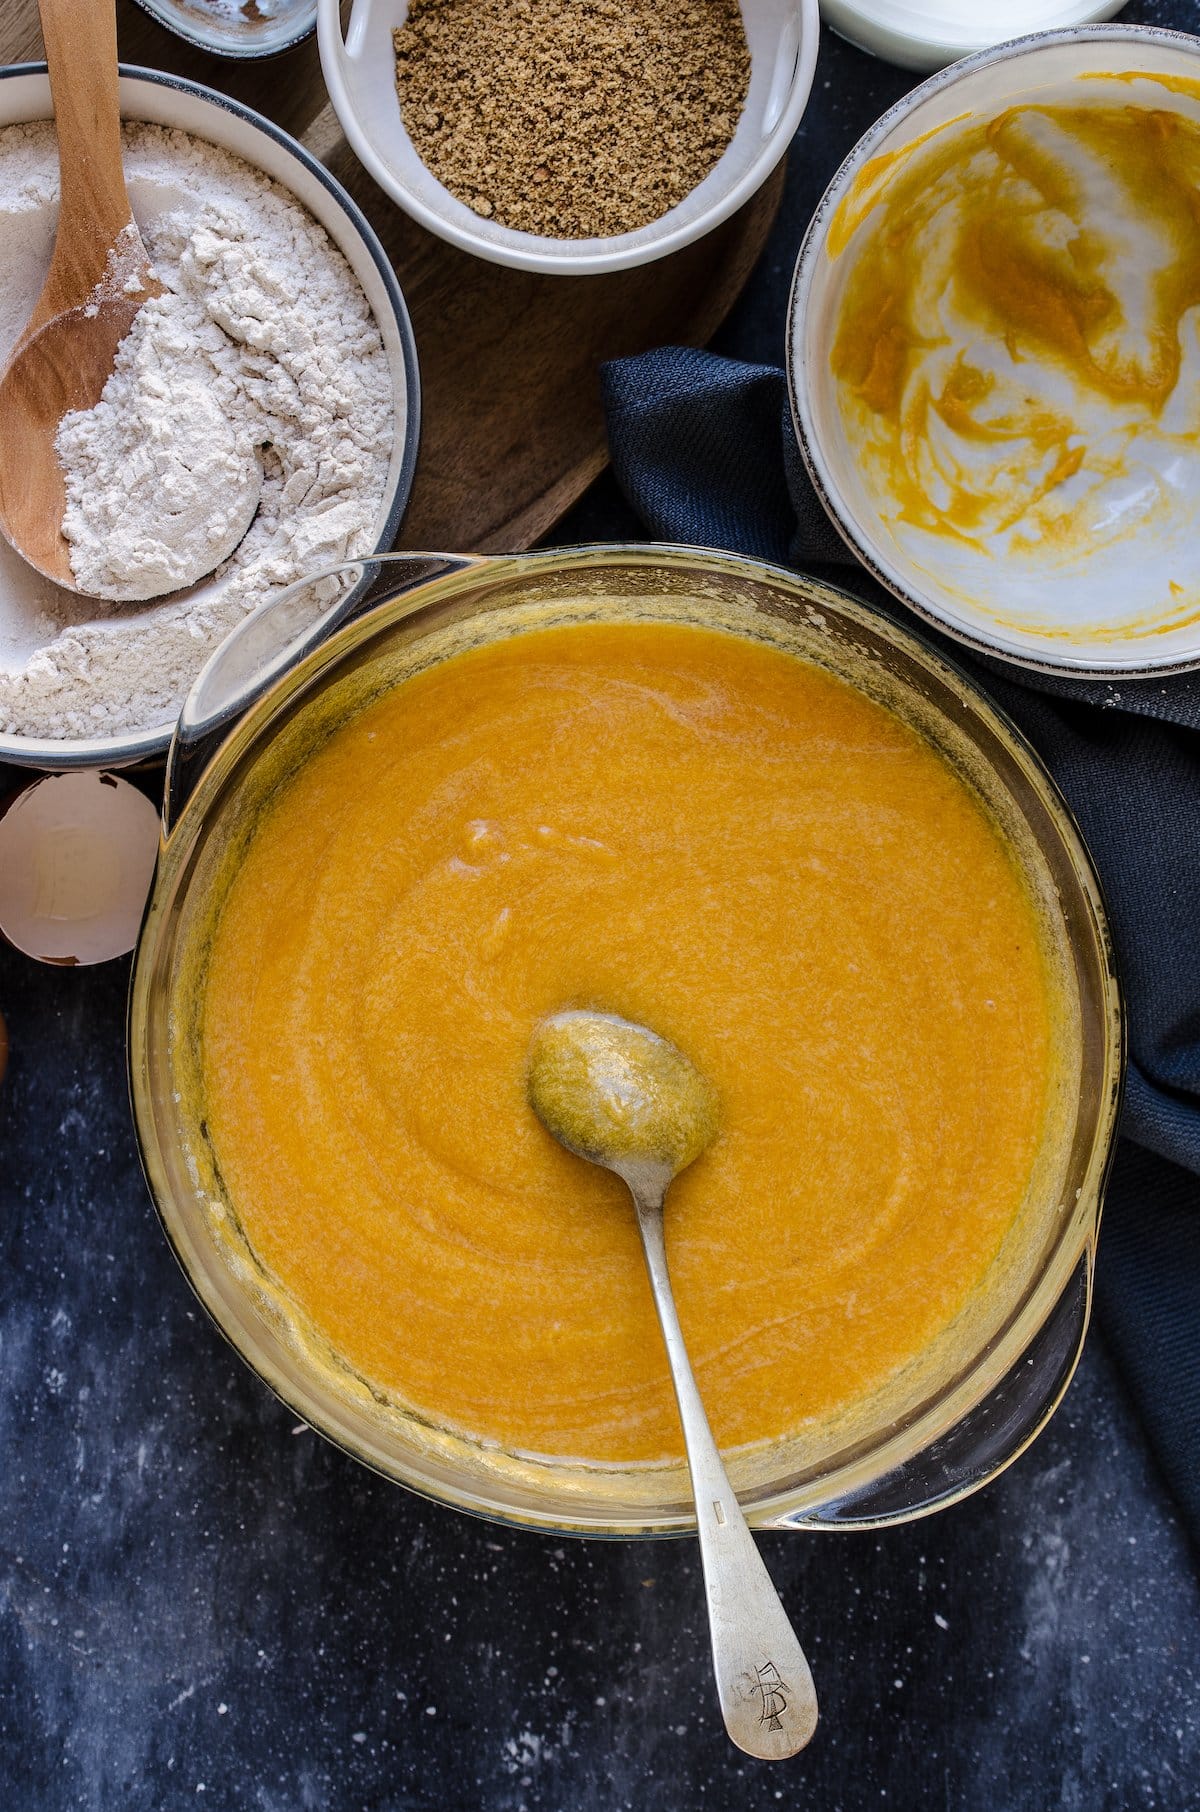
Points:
(764, 1683)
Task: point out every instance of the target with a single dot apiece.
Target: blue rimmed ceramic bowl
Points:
(167, 100)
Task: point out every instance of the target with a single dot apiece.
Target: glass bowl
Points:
(954, 1418)
(237, 28)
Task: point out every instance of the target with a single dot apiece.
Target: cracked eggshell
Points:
(77, 856)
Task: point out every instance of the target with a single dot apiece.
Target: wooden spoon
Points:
(99, 277)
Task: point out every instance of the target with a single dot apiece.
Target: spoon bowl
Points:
(60, 367)
(618, 1095)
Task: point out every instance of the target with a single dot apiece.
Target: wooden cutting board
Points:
(512, 427)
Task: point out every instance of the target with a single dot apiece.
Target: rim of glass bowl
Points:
(782, 1504)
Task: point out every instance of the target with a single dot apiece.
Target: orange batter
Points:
(711, 838)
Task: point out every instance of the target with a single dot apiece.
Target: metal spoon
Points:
(622, 1097)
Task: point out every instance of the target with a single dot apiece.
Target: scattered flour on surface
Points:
(263, 356)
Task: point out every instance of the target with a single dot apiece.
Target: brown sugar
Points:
(571, 118)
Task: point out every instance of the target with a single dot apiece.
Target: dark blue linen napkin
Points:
(704, 450)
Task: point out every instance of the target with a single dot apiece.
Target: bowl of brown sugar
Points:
(570, 136)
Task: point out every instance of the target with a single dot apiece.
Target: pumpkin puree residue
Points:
(1015, 334)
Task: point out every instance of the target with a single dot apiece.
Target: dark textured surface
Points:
(202, 1606)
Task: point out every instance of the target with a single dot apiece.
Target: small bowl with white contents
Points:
(310, 353)
(498, 160)
(928, 34)
(994, 353)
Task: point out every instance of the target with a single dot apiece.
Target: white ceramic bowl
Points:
(167, 100)
(928, 34)
(1129, 603)
(360, 75)
(232, 30)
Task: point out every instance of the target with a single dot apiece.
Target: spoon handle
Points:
(764, 1684)
(80, 37)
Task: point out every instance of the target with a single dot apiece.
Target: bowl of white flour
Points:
(282, 348)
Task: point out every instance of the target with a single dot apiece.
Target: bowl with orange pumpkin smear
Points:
(735, 806)
(994, 350)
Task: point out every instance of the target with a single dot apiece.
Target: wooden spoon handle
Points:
(81, 53)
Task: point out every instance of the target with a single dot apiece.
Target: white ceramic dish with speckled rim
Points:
(166, 100)
(1044, 65)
